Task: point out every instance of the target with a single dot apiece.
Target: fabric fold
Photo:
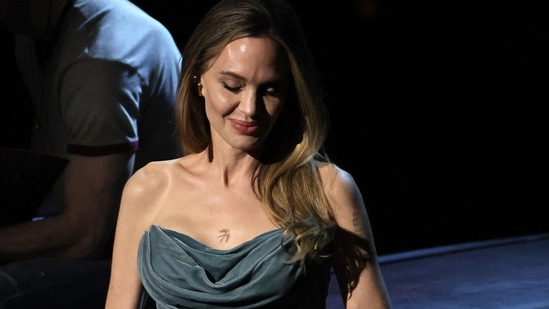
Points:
(179, 272)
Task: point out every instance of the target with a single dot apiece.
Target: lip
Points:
(244, 127)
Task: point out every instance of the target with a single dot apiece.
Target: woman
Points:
(254, 215)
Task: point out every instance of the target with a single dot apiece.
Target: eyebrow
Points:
(237, 76)
(232, 74)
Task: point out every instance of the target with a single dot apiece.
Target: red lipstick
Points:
(244, 127)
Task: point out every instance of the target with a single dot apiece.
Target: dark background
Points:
(439, 110)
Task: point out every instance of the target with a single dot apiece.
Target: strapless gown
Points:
(179, 272)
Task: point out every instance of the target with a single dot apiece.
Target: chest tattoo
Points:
(225, 235)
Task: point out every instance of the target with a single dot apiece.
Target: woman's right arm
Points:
(133, 219)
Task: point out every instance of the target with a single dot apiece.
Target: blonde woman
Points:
(254, 215)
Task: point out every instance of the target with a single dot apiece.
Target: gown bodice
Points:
(178, 271)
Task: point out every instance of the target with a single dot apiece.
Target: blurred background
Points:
(439, 110)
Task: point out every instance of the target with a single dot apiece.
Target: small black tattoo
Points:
(225, 235)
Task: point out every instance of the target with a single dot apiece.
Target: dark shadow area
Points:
(25, 179)
(439, 110)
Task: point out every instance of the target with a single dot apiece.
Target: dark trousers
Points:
(45, 283)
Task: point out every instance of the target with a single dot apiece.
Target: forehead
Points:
(252, 56)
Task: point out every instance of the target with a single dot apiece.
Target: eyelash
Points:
(231, 89)
(272, 93)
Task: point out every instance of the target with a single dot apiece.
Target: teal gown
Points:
(179, 272)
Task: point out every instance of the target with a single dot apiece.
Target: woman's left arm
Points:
(354, 256)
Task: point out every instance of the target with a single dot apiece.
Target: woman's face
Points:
(244, 90)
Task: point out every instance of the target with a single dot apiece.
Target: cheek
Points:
(274, 109)
(216, 102)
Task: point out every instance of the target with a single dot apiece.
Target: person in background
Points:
(254, 215)
(102, 76)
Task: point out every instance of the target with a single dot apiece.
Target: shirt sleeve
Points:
(100, 107)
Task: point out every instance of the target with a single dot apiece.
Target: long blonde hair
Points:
(287, 179)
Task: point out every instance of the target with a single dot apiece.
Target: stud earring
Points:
(198, 84)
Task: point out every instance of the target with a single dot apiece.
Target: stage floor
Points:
(510, 273)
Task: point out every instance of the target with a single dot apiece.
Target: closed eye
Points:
(232, 89)
(273, 92)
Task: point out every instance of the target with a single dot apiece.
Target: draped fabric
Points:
(180, 272)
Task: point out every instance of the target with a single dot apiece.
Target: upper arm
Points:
(354, 257)
(135, 216)
(93, 186)
(99, 109)
(346, 201)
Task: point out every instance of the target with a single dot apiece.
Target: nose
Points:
(248, 103)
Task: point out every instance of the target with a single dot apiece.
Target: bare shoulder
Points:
(148, 184)
(345, 198)
(151, 176)
(337, 182)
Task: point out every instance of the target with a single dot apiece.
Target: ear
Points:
(200, 86)
(198, 82)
